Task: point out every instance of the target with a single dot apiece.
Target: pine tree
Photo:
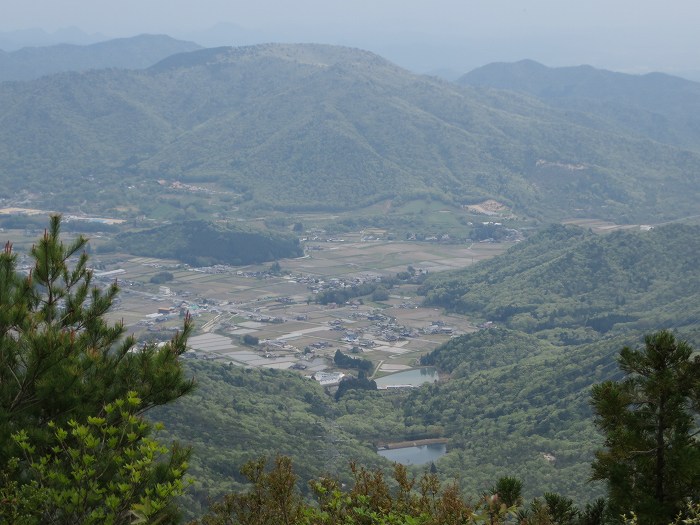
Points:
(62, 365)
(652, 458)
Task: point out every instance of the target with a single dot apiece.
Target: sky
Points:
(623, 35)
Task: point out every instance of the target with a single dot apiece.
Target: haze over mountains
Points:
(128, 53)
(448, 39)
(319, 127)
(36, 37)
(657, 106)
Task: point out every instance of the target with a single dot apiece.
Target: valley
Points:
(371, 259)
(261, 330)
(278, 308)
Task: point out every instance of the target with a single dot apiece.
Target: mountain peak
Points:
(321, 55)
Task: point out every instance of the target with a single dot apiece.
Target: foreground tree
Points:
(64, 373)
(108, 470)
(273, 498)
(651, 462)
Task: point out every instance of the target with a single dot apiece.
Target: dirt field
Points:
(600, 226)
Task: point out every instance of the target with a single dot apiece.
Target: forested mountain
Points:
(318, 127)
(128, 53)
(579, 285)
(516, 404)
(563, 302)
(237, 415)
(661, 107)
(201, 243)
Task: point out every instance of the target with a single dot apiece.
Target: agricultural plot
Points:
(279, 311)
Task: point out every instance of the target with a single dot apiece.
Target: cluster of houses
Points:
(383, 327)
(265, 319)
(436, 237)
(438, 327)
(318, 285)
(224, 269)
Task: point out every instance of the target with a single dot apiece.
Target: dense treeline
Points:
(342, 360)
(483, 350)
(361, 382)
(342, 295)
(201, 243)
(372, 498)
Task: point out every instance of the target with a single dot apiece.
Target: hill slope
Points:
(237, 415)
(570, 279)
(656, 106)
(565, 302)
(321, 127)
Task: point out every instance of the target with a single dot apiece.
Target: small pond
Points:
(413, 377)
(418, 455)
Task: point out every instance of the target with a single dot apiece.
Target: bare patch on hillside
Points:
(562, 165)
(488, 207)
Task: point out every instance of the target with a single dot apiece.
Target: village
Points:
(278, 315)
(289, 331)
(269, 316)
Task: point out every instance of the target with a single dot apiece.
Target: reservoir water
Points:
(413, 377)
(419, 455)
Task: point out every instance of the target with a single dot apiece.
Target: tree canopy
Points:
(651, 462)
(72, 385)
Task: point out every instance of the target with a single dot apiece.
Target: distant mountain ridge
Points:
(137, 52)
(37, 37)
(655, 105)
(315, 127)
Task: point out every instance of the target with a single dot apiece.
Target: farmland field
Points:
(230, 302)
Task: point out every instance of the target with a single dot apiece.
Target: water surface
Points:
(418, 455)
(413, 377)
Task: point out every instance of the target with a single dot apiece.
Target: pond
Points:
(413, 377)
(418, 455)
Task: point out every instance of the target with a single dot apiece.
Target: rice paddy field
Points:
(229, 303)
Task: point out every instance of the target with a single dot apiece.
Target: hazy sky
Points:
(618, 34)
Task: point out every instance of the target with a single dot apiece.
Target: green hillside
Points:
(563, 303)
(656, 106)
(236, 415)
(516, 405)
(311, 127)
(575, 286)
